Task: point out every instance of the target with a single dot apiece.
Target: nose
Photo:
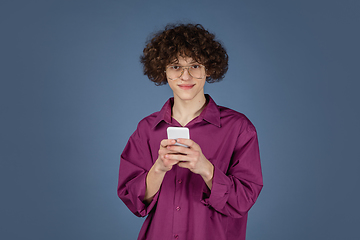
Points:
(186, 75)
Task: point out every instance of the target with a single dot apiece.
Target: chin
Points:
(186, 97)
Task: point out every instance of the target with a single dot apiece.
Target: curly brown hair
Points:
(185, 40)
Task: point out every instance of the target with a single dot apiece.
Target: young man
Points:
(205, 190)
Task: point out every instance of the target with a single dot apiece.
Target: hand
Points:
(191, 158)
(157, 172)
(164, 164)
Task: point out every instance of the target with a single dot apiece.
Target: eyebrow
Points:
(177, 62)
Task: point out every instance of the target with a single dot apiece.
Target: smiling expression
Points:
(187, 88)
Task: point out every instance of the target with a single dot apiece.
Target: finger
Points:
(163, 151)
(178, 157)
(170, 162)
(187, 165)
(188, 142)
(166, 142)
(179, 149)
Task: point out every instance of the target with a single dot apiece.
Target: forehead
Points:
(184, 60)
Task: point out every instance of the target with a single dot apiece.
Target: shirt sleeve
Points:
(233, 193)
(135, 162)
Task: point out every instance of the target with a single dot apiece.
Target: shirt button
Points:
(180, 181)
(177, 208)
(176, 236)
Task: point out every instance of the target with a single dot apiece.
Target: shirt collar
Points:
(210, 113)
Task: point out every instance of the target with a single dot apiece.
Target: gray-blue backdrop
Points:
(72, 92)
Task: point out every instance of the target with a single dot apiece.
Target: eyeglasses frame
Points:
(182, 71)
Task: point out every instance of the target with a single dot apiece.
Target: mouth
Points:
(186, 86)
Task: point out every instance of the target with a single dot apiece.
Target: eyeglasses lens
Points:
(196, 71)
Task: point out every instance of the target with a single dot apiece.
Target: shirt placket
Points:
(177, 207)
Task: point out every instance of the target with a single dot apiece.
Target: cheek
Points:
(171, 84)
(202, 83)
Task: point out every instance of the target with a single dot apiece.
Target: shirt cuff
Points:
(219, 194)
(137, 189)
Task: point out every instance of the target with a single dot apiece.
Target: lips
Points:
(186, 86)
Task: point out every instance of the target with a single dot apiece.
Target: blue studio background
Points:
(72, 92)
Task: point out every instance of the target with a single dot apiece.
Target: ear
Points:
(207, 73)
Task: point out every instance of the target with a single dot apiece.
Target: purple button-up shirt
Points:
(184, 207)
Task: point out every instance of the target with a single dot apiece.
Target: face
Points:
(186, 87)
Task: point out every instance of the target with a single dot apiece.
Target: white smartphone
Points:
(178, 132)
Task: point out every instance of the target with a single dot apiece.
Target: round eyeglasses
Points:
(174, 72)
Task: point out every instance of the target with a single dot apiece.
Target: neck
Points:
(185, 111)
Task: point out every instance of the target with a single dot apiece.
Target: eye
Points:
(195, 66)
(175, 67)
